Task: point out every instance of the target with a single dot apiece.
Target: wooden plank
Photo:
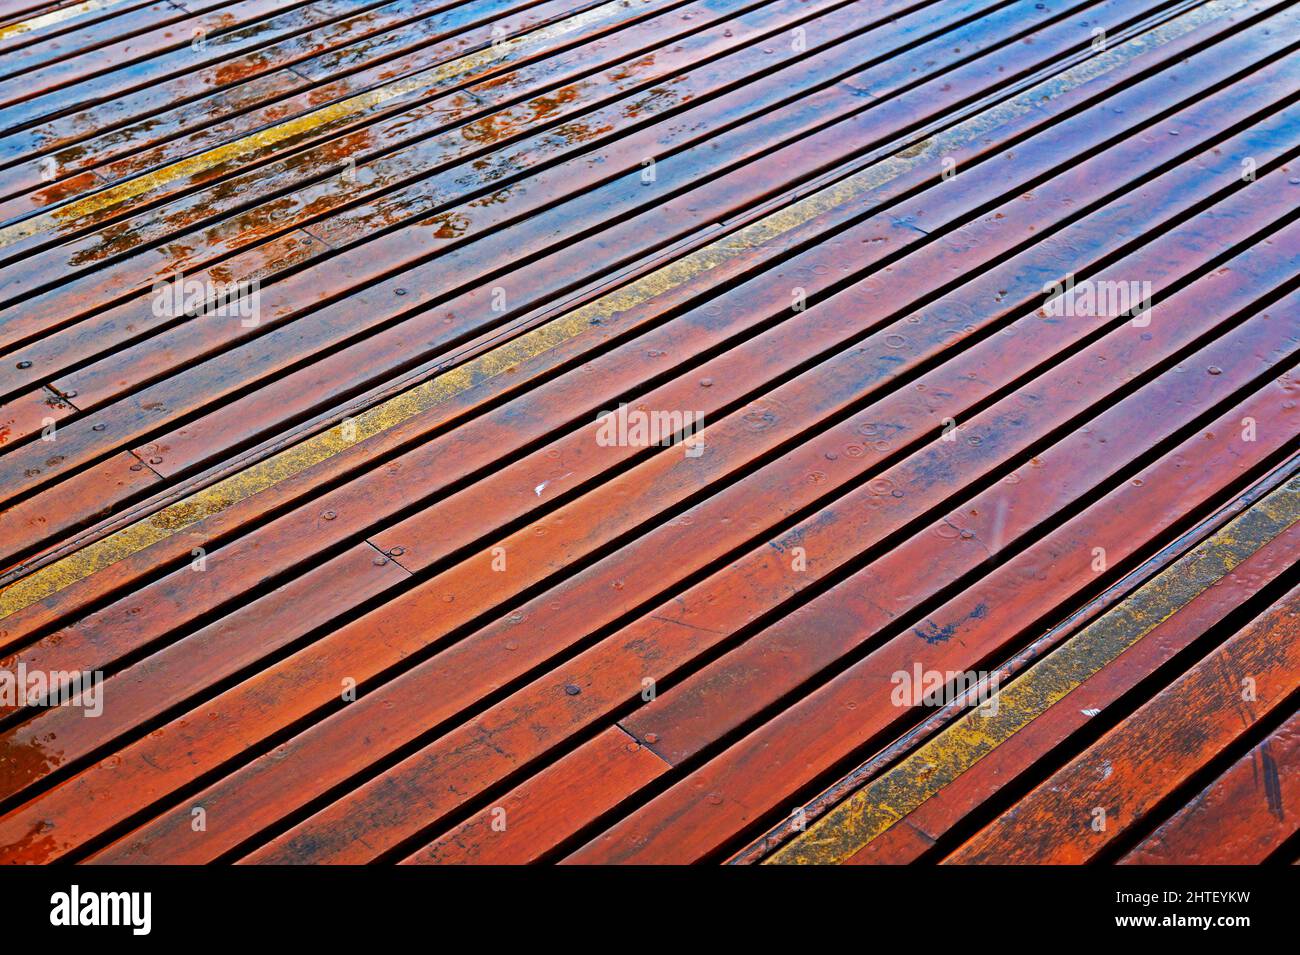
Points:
(82, 500)
(270, 349)
(197, 340)
(96, 74)
(168, 678)
(907, 785)
(1017, 756)
(332, 115)
(859, 703)
(564, 459)
(237, 83)
(341, 654)
(607, 676)
(1241, 817)
(419, 554)
(536, 816)
(155, 133)
(366, 579)
(1133, 766)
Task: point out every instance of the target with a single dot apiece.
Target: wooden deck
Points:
(647, 431)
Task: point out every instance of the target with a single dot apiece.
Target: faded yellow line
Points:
(314, 121)
(55, 16)
(184, 513)
(884, 801)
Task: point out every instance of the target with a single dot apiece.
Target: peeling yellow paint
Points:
(122, 544)
(876, 807)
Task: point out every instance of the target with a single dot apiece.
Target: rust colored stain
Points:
(650, 431)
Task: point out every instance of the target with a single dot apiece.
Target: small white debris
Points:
(542, 487)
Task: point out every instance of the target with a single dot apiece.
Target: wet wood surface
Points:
(314, 321)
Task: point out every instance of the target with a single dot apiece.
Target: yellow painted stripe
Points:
(54, 16)
(884, 801)
(314, 121)
(175, 517)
